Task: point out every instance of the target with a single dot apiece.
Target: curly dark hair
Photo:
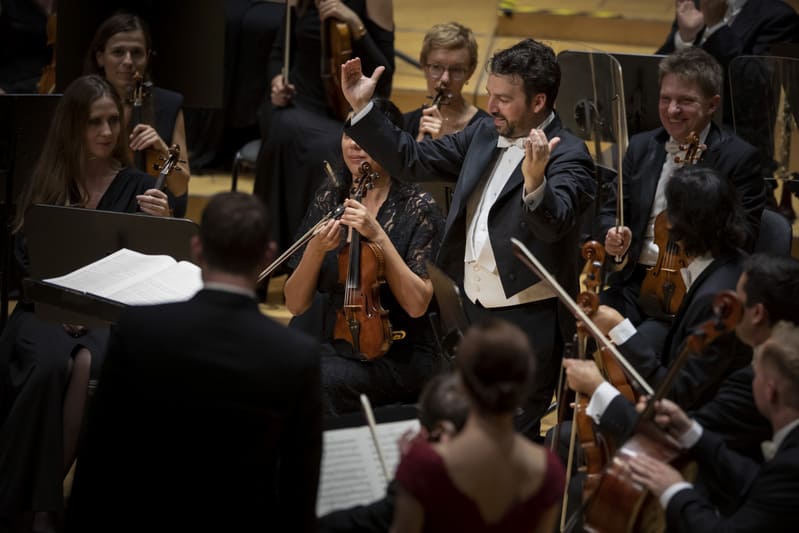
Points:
(535, 63)
(705, 212)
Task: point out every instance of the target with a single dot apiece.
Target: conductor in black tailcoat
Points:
(208, 414)
(516, 174)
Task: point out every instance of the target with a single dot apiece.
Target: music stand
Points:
(26, 119)
(54, 251)
(452, 318)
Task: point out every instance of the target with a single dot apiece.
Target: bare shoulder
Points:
(531, 461)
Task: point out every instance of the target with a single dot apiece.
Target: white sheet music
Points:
(351, 472)
(134, 278)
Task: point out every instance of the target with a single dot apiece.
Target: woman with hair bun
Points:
(488, 477)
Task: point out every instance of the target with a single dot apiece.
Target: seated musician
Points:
(768, 289)
(690, 85)
(488, 477)
(121, 47)
(303, 126)
(766, 494)
(85, 163)
(449, 58)
(207, 416)
(707, 220)
(406, 223)
(443, 408)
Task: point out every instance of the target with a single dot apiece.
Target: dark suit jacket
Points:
(727, 154)
(701, 374)
(760, 24)
(732, 413)
(767, 493)
(207, 415)
(467, 157)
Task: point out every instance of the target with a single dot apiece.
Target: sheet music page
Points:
(177, 283)
(351, 473)
(113, 272)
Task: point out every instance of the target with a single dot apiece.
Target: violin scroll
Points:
(693, 150)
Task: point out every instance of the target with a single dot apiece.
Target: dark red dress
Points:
(423, 474)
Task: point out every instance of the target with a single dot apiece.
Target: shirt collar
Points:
(694, 269)
(227, 287)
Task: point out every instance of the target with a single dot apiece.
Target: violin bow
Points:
(287, 43)
(527, 257)
(620, 119)
(370, 420)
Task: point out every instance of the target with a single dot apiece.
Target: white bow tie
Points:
(768, 449)
(506, 142)
(673, 147)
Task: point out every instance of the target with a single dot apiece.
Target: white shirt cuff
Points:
(534, 199)
(711, 30)
(622, 332)
(691, 437)
(669, 493)
(362, 113)
(600, 400)
(679, 44)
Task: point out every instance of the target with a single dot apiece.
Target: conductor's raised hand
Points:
(537, 149)
(358, 88)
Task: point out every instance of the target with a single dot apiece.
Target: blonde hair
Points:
(781, 353)
(450, 36)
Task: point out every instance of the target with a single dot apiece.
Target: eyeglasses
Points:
(436, 70)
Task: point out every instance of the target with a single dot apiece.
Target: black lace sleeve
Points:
(416, 228)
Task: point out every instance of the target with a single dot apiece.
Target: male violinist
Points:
(690, 88)
(518, 174)
(766, 493)
(768, 290)
(208, 414)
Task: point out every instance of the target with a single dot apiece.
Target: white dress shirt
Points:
(481, 279)
(649, 251)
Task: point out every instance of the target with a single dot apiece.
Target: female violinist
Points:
(407, 225)
(301, 129)
(121, 48)
(449, 58)
(84, 164)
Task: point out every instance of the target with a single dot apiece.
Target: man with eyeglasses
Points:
(518, 174)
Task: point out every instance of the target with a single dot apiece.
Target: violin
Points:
(362, 321)
(336, 50)
(169, 164)
(589, 299)
(46, 83)
(618, 504)
(663, 288)
(595, 450)
(145, 160)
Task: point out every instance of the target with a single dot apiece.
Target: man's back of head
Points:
(234, 233)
